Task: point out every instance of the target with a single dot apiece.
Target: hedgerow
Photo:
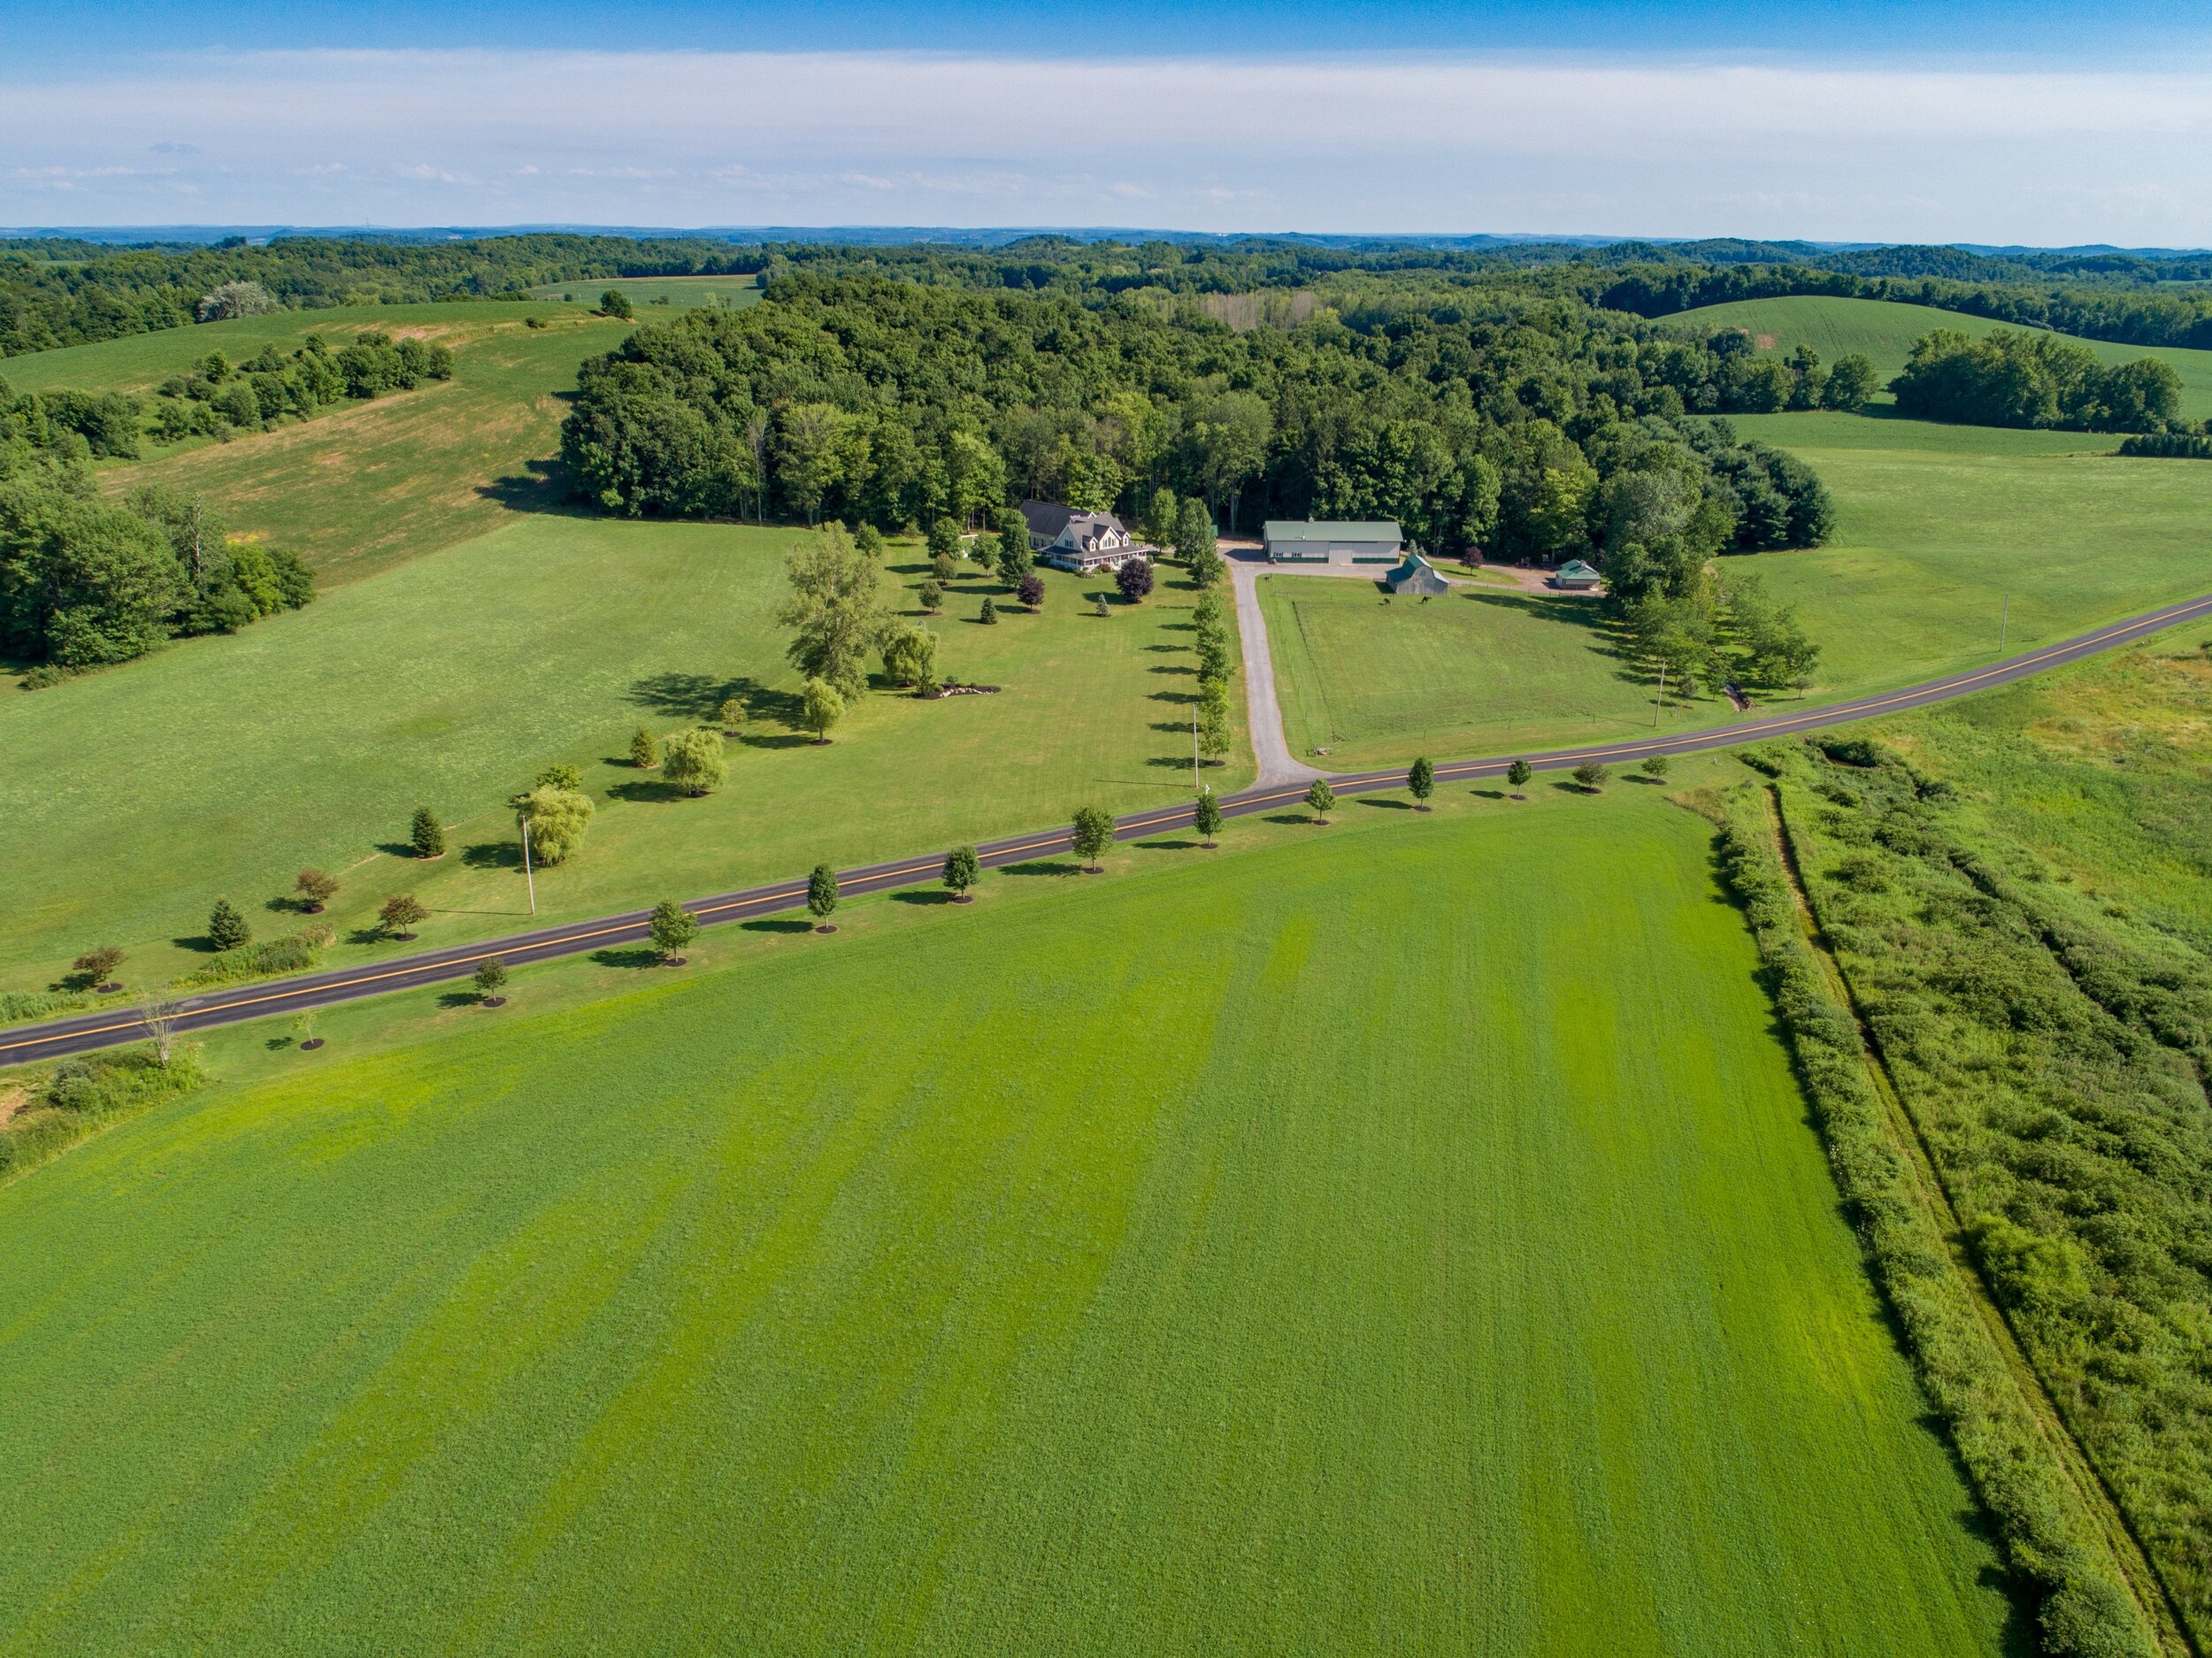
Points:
(2084, 1611)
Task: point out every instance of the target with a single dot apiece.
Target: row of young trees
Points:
(1488, 421)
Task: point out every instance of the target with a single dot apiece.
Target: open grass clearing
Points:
(1521, 1321)
(1884, 330)
(371, 485)
(1948, 539)
(223, 765)
(683, 293)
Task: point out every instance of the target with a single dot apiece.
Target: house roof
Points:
(1576, 567)
(1332, 530)
(1049, 518)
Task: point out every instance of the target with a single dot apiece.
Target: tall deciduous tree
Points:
(963, 870)
(557, 819)
(821, 892)
(1206, 816)
(836, 611)
(671, 929)
(1321, 799)
(400, 914)
(1421, 782)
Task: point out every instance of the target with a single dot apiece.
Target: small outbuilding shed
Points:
(1417, 576)
(1574, 576)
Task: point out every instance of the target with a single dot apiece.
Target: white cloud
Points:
(1380, 144)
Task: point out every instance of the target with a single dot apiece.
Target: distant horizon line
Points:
(999, 235)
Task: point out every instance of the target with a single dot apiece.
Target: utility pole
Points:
(1193, 749)
(1663, 696)
(2004, 624)
(527, 874)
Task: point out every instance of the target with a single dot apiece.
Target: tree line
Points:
(2016, 379)
(86, 580)
(58, 292)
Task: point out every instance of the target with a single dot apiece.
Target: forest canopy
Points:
(1496, 420)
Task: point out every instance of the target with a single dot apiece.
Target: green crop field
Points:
(1884, 330)
(222, 765)
(685, 293)
(1457, 1273)
(1947, 536)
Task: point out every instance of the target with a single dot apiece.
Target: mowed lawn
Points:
(133, 798)
(1375, 1244)
(1884, 330)
(1477, 671)
(1948, 540)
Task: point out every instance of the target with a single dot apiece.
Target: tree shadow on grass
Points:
(1383, 803)
(1288, 817)
(459, 998)
(690, 695)
(1487, 793)
(541, 486)
(1043, 867)
(395, 849)
(1167, 845)
(1184, 697)
(644, 789)
(1169, 667)
(636, 956)
(200, 944)
(1568, 786)
(777, 924)
(780, 739)
(921, 895)
(492, 854)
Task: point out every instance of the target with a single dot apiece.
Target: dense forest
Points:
(1502, 422)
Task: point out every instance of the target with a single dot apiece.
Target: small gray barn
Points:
(1332, 542)
(1417, 576)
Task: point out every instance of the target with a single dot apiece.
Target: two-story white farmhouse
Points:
(1082, 541)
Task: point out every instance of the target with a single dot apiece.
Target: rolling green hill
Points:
(1884, 330)
(1334, 1249)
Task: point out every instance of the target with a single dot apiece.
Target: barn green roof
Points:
(1576, 567)
(1332, 530)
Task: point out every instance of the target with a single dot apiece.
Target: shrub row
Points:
(294, 952)
(84, 1095)
(16, 1006)
(2086, 1611)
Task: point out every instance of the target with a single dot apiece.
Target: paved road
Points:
(103, 1028)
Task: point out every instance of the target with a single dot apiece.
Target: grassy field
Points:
(685, 293)
(223, 765)
(1884, 330)
(1502, 1324)
(1939, 529)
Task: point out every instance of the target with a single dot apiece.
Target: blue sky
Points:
(2032, 123)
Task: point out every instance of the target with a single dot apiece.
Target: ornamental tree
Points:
(1321, 798)
(1206, 816)
(672, 927)
(963, 870)
(1093, 833)
(1134, 579)
(561, 775)
(644, 752)
(557, 819)
(732, 714)
(491, 974)
(400, 914)
(821, 892)
(1518, 773)
(1421, 782)
(988, 614)
(695, 760)
(1032, 590)
(315, 889)
(1590, 775)
(820, 706)
(426, 834)
(226, 929)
